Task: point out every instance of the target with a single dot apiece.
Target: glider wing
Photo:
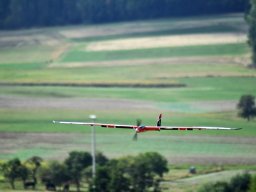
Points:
(196, 128)
(98, 124)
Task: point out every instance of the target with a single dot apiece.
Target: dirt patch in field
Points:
(166, 41)
(73, 103)
(18, 41)
(63, 102)
(241, 60)
(113, 104)
(214, 105)
(30, 37)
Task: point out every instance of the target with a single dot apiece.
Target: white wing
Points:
(98, 124)
(196, 128)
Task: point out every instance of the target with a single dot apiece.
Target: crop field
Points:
(192, 70)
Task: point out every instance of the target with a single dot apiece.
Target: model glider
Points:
(141, 128)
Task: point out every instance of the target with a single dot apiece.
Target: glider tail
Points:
(159, 120)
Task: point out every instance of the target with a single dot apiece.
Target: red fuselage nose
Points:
(141, 129)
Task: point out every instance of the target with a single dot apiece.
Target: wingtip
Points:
(239, 128)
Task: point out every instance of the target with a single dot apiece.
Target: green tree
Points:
(156, 162)
(253, 184)
(76, 163)
(119, 173)
(35, 162)
(135, 174)
(56, 173)
(101, 181)
(146, 170)
(15, 18)
(23, 174)
(4, 11)
(71, 14)
(240, 183)
(251, 19)
(247, 107)
(13, 170)
(215, 187)
(30, 13)
(101, 159)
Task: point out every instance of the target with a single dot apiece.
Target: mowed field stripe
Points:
(165, 60)
(77, 54)
(166, 41)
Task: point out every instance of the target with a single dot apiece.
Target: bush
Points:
(239, 183)
(215, 187)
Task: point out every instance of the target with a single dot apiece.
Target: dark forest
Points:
(16, 14)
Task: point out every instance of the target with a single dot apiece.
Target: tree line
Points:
(251, 20)
(132, 173)
(30, 13)
(140, 173)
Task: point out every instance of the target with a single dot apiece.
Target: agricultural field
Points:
(193, 70)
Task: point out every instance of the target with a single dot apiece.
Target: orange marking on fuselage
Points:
(144, 129)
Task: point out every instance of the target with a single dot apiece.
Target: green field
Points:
(214, 77)
(212, 50)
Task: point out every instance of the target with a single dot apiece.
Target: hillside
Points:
(67, 73)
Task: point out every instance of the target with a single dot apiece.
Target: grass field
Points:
(214, 76)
